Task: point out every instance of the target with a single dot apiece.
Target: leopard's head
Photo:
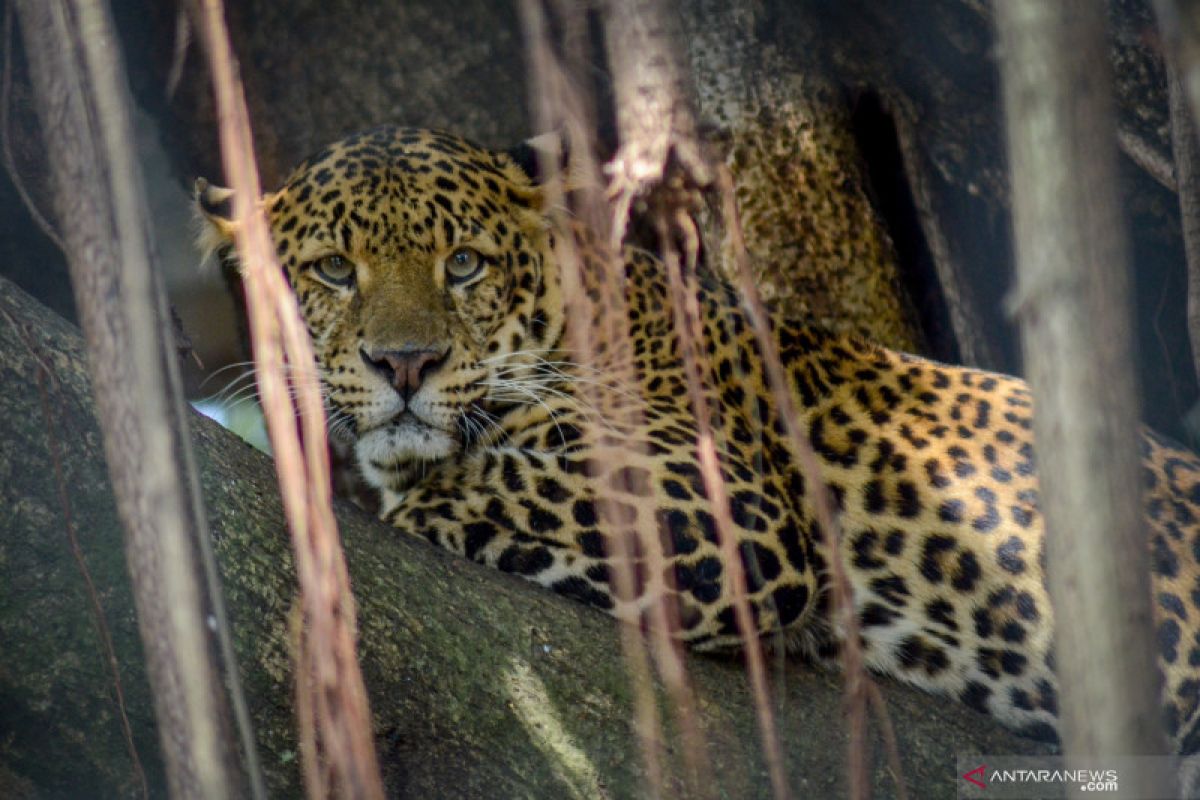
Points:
(422, 264)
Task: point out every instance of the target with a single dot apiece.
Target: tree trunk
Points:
(482, 685)
(1072, 300)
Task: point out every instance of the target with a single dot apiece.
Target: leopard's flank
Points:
(426, 270)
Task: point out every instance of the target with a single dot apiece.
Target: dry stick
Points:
(859, 685)
(685, 306)
(633, 645)
(1072, 302)
(561, 104)
(1179, 26)
(655, 120)
(98, 46)
(1134, 145)
(97, 49)
(1187, 163)
(45, 373)
(85, 119)
(1146, 156)
(336, 724)
(662, 615)
(557, 104)
(183, 41)
(890, 745)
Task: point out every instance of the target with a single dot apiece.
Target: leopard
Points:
(431, 274)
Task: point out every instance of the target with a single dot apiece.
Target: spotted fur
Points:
(491, 446)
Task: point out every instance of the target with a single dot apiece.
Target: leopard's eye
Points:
(462, 264)
(335, 270)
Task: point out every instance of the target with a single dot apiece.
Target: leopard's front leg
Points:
(553, 518)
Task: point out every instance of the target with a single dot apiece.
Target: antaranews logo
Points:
(976, 776)
(1035, 777)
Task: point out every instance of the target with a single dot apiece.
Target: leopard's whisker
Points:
(484, 422)
(528, 397)
(245, 365)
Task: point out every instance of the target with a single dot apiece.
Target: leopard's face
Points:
(419, 261)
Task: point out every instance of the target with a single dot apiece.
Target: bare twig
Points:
(685, 302)
(844, 622)
(183, 42)
(1142, 153)
(891, 746)
(1179, 26)
(335, 720)
(656, 122)
(560, 105)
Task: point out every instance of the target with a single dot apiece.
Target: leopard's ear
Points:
(540, 157)
(545, 157)
(214, 215)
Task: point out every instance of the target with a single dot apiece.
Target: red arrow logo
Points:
(975, 776)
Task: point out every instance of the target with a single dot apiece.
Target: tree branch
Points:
(1072, 301)
(99, 199)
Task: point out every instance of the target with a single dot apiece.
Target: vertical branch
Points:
(1072, 301)
(654, 110)
(1186, 150)
(686, 312)
(656, 122)
(1179, 24)
(335, 720)
(559, 104)
(100, 204)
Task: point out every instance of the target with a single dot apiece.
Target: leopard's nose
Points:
(405, 369)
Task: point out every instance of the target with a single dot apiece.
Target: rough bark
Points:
(482, 685)
(1073, 306)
